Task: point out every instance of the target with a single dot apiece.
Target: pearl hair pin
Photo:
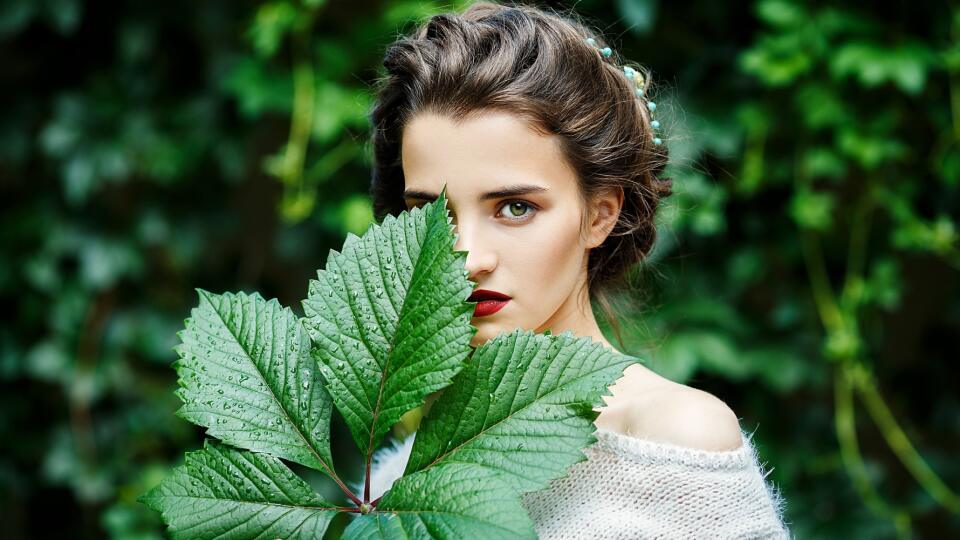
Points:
(638, 82)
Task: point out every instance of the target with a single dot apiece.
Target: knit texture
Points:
(637, 488)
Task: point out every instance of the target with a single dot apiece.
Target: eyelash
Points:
(524, 217)
(505, 204)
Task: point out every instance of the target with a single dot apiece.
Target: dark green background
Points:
(806, 272)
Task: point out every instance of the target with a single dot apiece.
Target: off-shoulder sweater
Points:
(637, 488)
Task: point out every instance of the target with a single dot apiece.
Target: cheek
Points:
(548, 253)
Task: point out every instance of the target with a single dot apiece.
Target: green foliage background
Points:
(806, 273)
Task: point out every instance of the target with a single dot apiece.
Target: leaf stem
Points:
(851, 375)
(901, 445)
(345, 489)
(373, 429)
(298, 201)
(366, 483)
(845, 425)
(953, 82)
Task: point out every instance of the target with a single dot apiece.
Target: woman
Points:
(552, 161)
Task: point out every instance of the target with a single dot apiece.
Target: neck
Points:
(576, 314)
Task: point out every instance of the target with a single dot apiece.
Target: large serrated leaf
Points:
(389, 319)
(387, 323)
(230, 494)
(247, 376)
(455, 500)
(522, 406)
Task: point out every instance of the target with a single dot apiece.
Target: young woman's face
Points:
(523, 242)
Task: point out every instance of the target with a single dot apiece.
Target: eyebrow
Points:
(508, 191)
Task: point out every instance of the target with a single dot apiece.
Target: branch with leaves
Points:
(386, 323)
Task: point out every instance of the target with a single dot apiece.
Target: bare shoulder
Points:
(648, 406)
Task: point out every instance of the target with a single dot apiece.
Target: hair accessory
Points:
(638, 83)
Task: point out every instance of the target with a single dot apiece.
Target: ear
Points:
(604, 211)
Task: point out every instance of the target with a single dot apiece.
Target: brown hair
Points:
(536, 64)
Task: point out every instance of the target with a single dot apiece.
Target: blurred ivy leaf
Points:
(716, 352)
(674, 360)
(822, 162)
(257, 87)
(14, 16)
(48, 360)
(272, 22)
(639, 15)
(906, 65)
(883, 286)
(64, 15)
(745, 266)
(812, 209)
(869, 149)
(698, 204)
(780, 368)
(780, 13)
(338, 107)
(820, 106)
(936, 236)
(778, 60)
(686, 351)
(946, 164)
(103, 262)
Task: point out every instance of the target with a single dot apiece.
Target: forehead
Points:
(481, 152)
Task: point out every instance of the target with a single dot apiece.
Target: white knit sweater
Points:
(636, 488)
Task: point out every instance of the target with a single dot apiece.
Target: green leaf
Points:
(389, 319)
(273, 21)
(780, 13)
(519, 407)
(455, 500)
(246, 375)
(257, 89)
(828, 108)
(224, 493)
(638, 15)
(812, 209)
(905, 64)
(717, 352)
(822, 162)
(871, 148)
(778, 60)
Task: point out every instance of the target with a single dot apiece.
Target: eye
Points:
(518, 210)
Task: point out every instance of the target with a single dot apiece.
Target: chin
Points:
(485, 332)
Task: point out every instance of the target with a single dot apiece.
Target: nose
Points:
(481, 257)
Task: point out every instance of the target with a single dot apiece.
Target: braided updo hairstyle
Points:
(536, 64)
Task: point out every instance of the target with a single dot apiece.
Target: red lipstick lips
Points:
(488, 302)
